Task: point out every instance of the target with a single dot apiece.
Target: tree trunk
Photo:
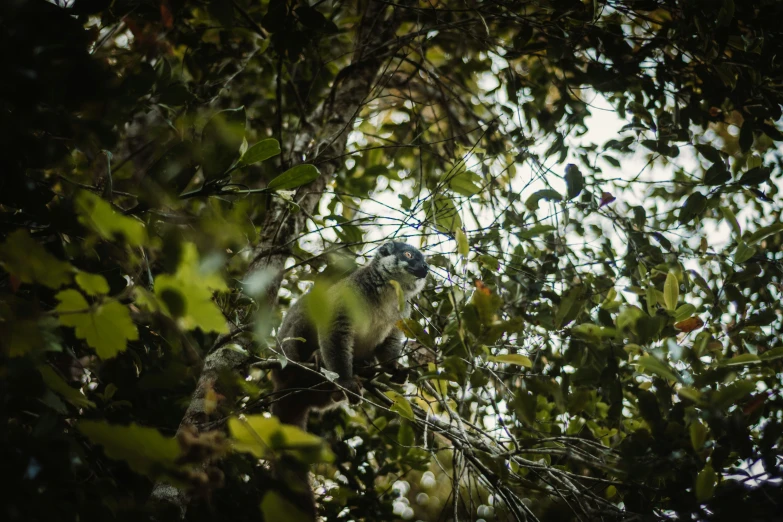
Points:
(325, 137)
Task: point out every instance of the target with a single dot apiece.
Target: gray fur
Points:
(362, 332)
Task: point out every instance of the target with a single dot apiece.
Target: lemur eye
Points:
(408, 255)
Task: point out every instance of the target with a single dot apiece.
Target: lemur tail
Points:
(297, 391)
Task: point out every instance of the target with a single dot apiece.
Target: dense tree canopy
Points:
(596, 187)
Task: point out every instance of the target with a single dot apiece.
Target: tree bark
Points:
(325, 137)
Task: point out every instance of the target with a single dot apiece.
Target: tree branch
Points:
(329, 132)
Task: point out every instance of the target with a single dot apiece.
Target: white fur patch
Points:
(388, 264)
(418, 286)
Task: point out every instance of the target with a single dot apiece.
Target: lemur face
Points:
(401, 257)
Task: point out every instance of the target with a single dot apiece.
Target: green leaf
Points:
(592, 332)
(413, 330)
(698, 433)
(743, 252)
(653, 365)
(99, 216)
(463, 247)
(671, 291)
(536, 230)
(401, 405)
(575, 181)
(652, 299)
(729, 395)
(773, 354)
(705, 483)
(709, 152)
(92, 284)
(755, 176)
(744, 359)
(220, 142)
(18, 337)
(28, 261)
(486, 303)
(683, 312)
(276, 507)
(106, 327)
(746, 131)
(726, 13)
(294, 177)
(466, 183)
(405, 435)
(57, 384)
(144, 449)
(693, 207)
(691, 394)
(443, 213)
(566, 310)
(729, 216)
(176, 167)
(261, 151)
(546, 194)
(702, 283)
(264, 436)
(717, 174)
(764, 232)
(511, 358)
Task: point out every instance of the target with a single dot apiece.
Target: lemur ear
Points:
(386, 249)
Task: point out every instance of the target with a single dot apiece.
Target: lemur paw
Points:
(398, 375)
(351, 388)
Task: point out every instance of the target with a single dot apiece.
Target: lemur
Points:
(362, 329)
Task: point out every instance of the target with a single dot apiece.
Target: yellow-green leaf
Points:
(658, 367)
(19, 337)
(690, 394)
(28, 261)
(221, 140)
(511, 358)
(466, 183)
(744, 359)
(275, 507)
(443, 213)
(731, 219)
(763, 232)
(463, 248)
(400, 294)
(683, 312)
(401, 405)
(106, 327)
(145, 450)
(729, 395)
(58, 385)
(92, 284)
(187, 295)
(705, 483)
(99, 216)
(671, 291)
(260, 436)
(413, 330)
(698, 432)
(652, 299)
